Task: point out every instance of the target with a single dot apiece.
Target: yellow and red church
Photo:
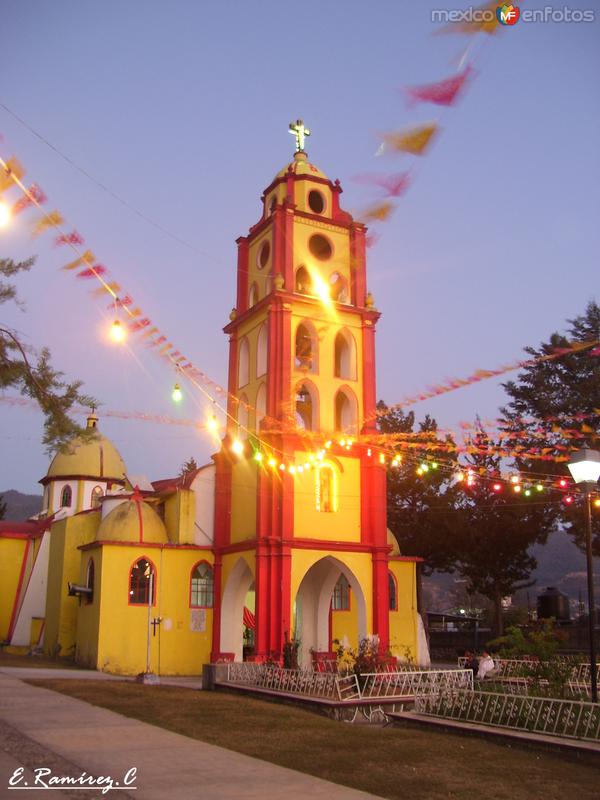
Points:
(283, 537)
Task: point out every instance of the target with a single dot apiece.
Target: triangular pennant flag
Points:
(414, 141)
(51, 220)
(13, 170)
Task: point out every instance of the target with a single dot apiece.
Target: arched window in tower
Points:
(341, 595)
(262, 343)
(393, 590)
(244, 363)
(66, 497)
(306, 412)
(243, 417)
(345, 411)
(89, 581)
(139, 582)
(97, 495)
(345, 356)
(326, 488)
(253, 295)
(202, 586)
(338, 286)
(261, 404)
(304, 284)
(306, 348)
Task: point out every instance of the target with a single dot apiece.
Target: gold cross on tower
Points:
(299, 131)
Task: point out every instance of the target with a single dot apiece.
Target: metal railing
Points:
(372, 686)
(517, 676)
(571, 719)
(401, 684)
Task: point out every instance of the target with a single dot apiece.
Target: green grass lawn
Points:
(390, 762)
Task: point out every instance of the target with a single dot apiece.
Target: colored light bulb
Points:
(237, 447)
(117, 332)
(177, 394)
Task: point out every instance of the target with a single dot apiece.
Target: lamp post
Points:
(585, 469)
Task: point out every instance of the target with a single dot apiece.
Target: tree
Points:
(189, 466)
(554, 408)
(32, 374)
(495, 528)
(420, 507)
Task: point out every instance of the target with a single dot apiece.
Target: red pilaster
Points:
(261, 593)
(232, 379)
(216, 630)
(381, 600)
(358, 265)
(369, 377)
(242, 274)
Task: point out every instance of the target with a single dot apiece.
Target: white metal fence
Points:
(372, 686)
(567, 718)
(517, 675)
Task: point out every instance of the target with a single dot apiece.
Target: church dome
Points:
(301, 166)
(98, 458)
(132, 521)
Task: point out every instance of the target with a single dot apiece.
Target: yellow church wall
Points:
(250, 330)
(301, 191)
(339, 239)
(344, 625)
(183, 640)
(260, 276)
(359, 564)
(244, 476)
(403, 623)
(180, 515)
(88, 614)
(324, 377)
(12, 552)
(342, 525)
(64, 567)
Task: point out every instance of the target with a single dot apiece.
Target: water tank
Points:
(552, 603)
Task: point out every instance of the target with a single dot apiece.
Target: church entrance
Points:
(313, 606)
(237, 612)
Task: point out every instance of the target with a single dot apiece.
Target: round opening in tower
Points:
(263, 255)
(316, 201)
(320, 247)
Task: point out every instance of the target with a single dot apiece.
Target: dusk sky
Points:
(182, 108)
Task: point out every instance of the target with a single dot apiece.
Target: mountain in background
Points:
(20, 507)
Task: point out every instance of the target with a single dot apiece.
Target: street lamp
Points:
(585, 469)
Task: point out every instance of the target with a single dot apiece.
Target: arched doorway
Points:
(313, 603)
(239, 583)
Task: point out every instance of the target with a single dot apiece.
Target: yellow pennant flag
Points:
(379, 212)
(483, 19)
(87, 258)
(112, 289)
(415, 140)
(8, 173)
(51, 220)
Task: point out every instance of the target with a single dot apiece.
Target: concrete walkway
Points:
(40, 728)
(27, 673)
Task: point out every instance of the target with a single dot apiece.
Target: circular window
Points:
(320, 247)
(316, 201)
(263, 255)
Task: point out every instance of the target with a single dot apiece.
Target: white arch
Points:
(313, 601)
(346, 411)
(239, 582)
(345, 355)
(261, 404)
(261, 350)
(244, 363)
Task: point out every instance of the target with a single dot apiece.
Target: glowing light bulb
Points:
(419, 470)
(292, 469)
(300, 468)
(540, 487)
(177, 394)
(460, 476)
(425, 467)
(342, 442)
(497, 487)
(514, 479)
(212, 424)
(434, 465)
(282, 467)
(350, 442)
(5, 215)
(597, 502)
(258, 456)
(117, 332)
(527, 492)
(381, 458)
(517, 488)
(568, 499)
(237, 447)
(562, 483)
(272, 462)
(328, 444)
(369, 452)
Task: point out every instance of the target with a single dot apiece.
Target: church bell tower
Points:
(300, 493)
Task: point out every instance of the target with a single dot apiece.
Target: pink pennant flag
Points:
(393, 185)
(35, 196)
(68, 238)
(442, 93)
(93, 272)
